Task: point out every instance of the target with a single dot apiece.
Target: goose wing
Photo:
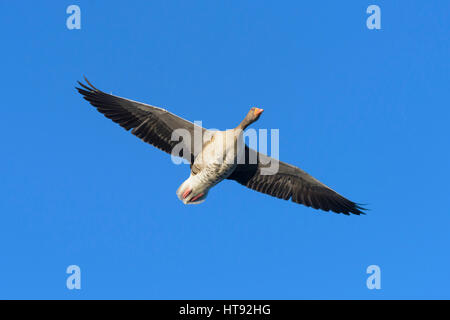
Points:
(151, 124)
(290, 182)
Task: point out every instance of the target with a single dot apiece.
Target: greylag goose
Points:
(213, 157)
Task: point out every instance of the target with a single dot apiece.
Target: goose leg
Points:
(197, 197)
(186, 193)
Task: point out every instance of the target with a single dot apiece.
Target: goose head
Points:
(251, 117)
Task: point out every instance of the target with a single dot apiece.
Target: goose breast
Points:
(218, 157)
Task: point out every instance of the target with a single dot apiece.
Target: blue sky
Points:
(365, 111)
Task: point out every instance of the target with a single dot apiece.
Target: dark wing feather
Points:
(290, 182)
(151, 124)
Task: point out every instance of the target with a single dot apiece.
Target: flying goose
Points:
(156, 126)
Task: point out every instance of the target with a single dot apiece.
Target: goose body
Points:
(213, 157)
(215, 163)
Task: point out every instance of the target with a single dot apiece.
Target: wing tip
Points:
(358, 209)
(90, 87)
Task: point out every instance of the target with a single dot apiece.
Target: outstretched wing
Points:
(151, 124)
(290, 182)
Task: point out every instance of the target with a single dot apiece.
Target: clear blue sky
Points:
(365, 111)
